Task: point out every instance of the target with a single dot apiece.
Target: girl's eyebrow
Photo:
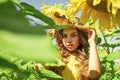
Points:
(70, 32)
(73, 32)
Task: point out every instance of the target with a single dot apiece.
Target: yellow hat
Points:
(62, 18)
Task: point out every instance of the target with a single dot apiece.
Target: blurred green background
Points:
(21, 39)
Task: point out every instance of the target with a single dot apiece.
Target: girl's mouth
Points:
(69, 45)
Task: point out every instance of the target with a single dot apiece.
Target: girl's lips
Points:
(70, 45)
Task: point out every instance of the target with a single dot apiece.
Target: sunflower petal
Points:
(94, 15)
(95, 2)
(75, 6)
(118, 18)
(85, 14)
(115, 6)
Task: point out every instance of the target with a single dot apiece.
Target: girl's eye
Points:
(64, 35)
(73, 35)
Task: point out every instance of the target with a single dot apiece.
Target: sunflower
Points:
(58, 13)
(107, 12)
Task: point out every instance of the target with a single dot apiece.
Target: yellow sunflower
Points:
(107, 12)
(58, 13)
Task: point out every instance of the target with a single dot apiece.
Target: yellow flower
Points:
(106, 12)
(75, 6)
(58, 14)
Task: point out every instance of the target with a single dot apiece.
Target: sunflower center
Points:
(102, 6)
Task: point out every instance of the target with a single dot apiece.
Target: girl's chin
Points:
(70, 49)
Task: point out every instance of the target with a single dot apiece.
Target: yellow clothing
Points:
(72, 69)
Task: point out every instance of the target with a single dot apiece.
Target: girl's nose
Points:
(69, 40)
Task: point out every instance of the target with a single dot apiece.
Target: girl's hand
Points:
(91, 36)
(37, 66)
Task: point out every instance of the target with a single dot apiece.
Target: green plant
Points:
(108, 53)
(20, 45)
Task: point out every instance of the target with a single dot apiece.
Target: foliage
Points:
(22, 45)
(108, 54)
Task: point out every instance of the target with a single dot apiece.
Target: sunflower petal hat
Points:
(62, 18)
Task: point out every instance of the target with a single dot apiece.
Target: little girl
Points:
(80, 64)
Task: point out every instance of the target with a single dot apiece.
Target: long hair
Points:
(80, 51)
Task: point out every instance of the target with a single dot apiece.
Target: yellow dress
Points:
(72, 69)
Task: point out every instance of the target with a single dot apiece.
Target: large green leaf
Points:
(30, 10)
(2, 1)
(113, 56)
(15, 21)
(10, 66)
(29, 47)
(59, 27)
(44, 74)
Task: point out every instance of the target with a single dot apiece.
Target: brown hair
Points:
(63, 50)
(82, 54)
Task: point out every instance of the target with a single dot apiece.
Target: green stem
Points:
(112, 49)
(108, 51)
(111, 38)
(112, 71)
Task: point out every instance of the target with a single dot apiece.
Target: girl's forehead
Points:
(69, 30)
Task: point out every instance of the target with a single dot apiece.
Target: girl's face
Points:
(70, 39)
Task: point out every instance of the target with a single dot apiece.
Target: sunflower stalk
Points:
(108, 50)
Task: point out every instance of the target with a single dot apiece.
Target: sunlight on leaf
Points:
(30, 10)
(113, 56)
(2, 1)
(29, 47)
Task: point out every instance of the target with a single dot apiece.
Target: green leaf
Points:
(13, 20)
(110, 45)
(30, 47)
(117, 72)
(15, 1)
(105, 45)
(30, 10)
(102, 54)
(117, 38)
(49, 75)
(59, 27)
(114, 33)
(115, 45)
(7, 64)
(114, 55)
(44, 74)
(2, 1)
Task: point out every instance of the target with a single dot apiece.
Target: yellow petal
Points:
(85, 14)
(75, 6)
(118, 19)
(115, 6)
(95, 2)
(94, 15)
(109, 6)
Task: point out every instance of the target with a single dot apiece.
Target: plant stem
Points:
(108, 51)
